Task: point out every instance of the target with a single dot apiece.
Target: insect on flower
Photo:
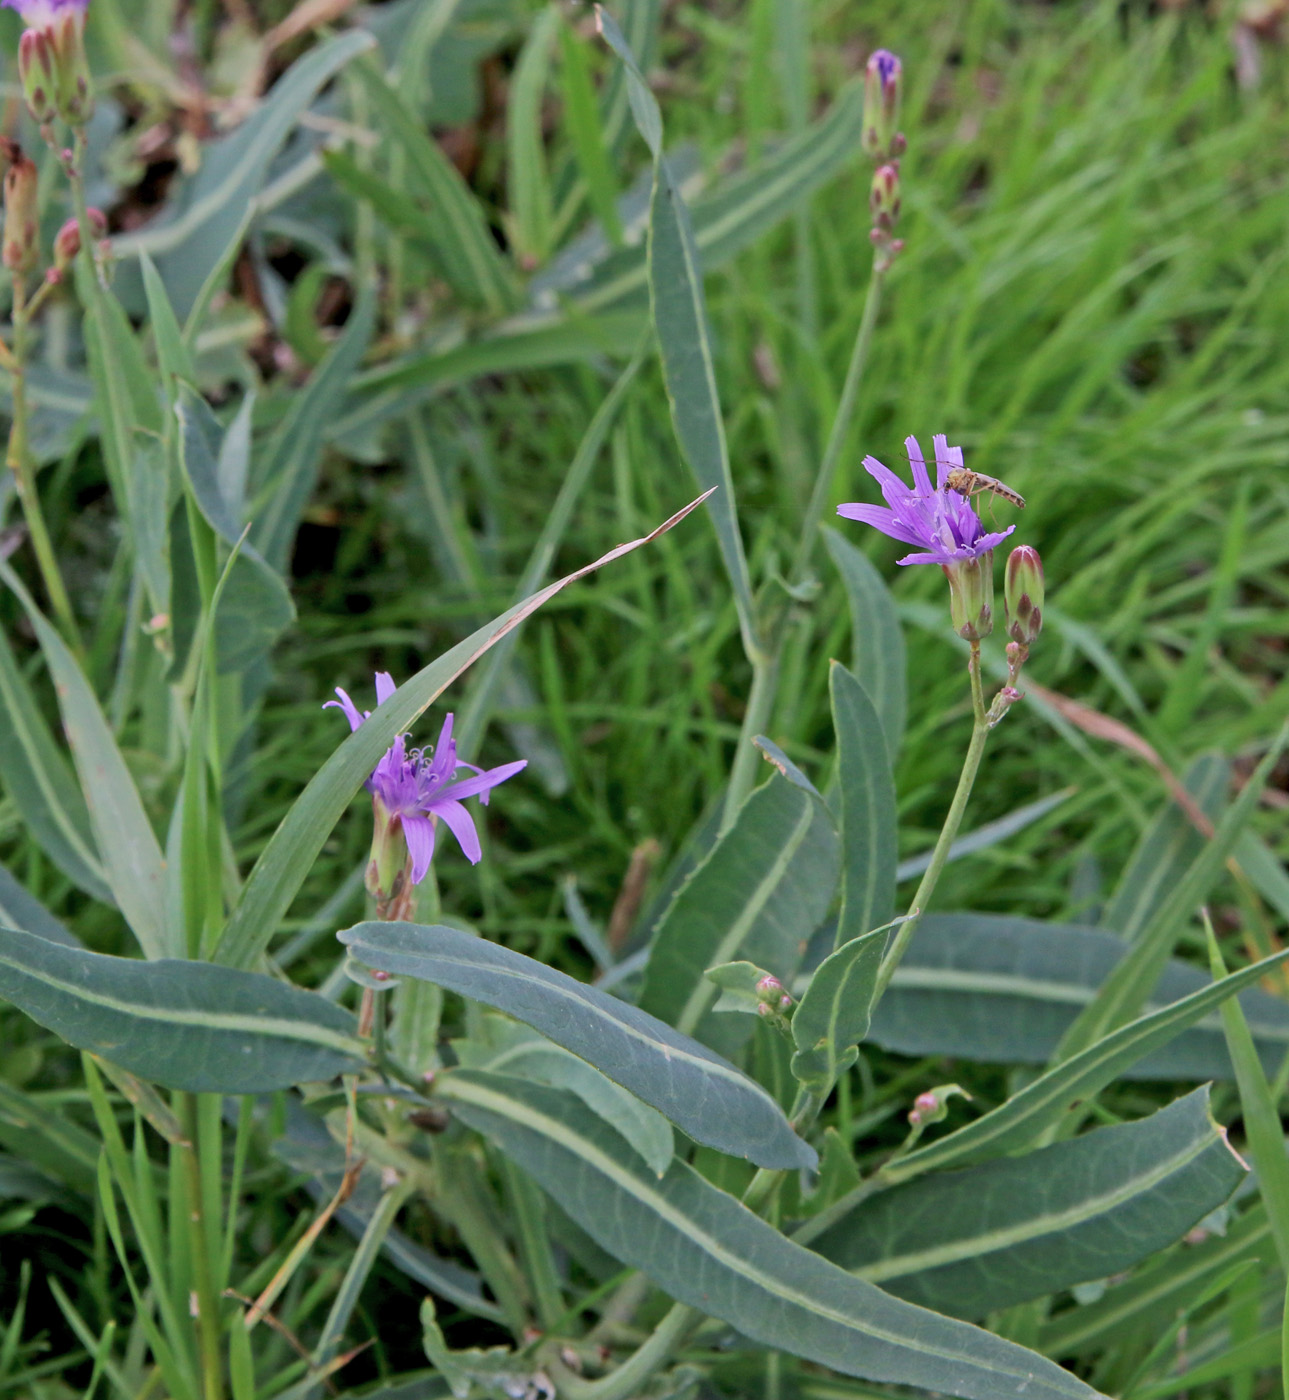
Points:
(968, 483)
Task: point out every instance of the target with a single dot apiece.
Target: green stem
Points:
(25, 478)
(650, 1356)
(765, 666)
(841, 423)
(756, 719)
(948, 832)
(207, 1297)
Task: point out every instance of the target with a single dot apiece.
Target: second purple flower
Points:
(412, 789)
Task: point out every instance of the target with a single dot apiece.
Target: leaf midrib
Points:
(220, 1021)
(1032, 1228)
(451, 1086)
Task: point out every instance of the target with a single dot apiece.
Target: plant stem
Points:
(841, 423)
(948, 832)
(650, 1356)
(765, 666)
(202, 1264)
(25, 478)
(756, 718)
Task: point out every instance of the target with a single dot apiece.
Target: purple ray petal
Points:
(461, 824)
(480, 782)
(385, 686)
(884, 520)
(419, 835)
(345, 704)
(921, 481)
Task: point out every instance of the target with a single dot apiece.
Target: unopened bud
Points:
(52, 65)
(933, 1105)
(971, 596)
(75, 97)
(67, 241)
(387, 866)
(769, 986)
(882, 83)
(1023, 593)
(884, 195)
(37, 75)
(21, 223)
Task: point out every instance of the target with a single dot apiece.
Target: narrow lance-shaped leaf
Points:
(1024, 1116)
(256, 603)
(1154, 1296)
(706, 1249)
(506, 1046)
(39, 780)
(294, 846)
(131, 856)
(209, 212)
(464, 248)
(20, 909)
(1262, 1126)
(877, 639)
(291, 467)
(1004, 990)
(709, 1098)
(1126, 989)
(868, 827)
(187, 1025)
(833, 1015)
(684, 336)
(1168, 847)
(997, 1234)
(758, 895)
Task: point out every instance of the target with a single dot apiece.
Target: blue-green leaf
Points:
(187, 1025)
(684, 335)
(1003, 990)
(877, 639)
(758, 895)
(132, 858)
(970, 1241)
(712, 1101)
(209, 212)
(706, 1249)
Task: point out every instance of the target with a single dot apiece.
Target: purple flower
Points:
(413, 788)
(42, 14)
(942, 522)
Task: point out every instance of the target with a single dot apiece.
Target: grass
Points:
(1092, 300)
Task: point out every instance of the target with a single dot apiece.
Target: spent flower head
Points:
(412, 790)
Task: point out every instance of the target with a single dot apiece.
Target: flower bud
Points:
(67, 241)
(884, 195)
(1023, 594)
(75, 97)
(971, 596)
(51, 60)
(36, 72)
(21, 224)
(881, 105)
(386, 869)
(933, 1105)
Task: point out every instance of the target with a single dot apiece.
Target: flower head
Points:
(941, 522)
(412, 789)
(882, 83)
(42, 14)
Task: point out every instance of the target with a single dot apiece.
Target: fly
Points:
(968, 483)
